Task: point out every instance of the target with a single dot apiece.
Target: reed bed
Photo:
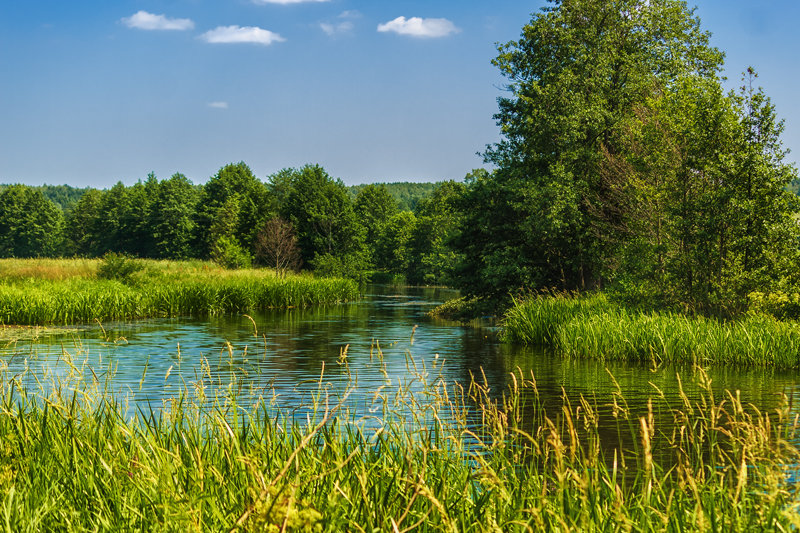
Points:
(444, 458)
(159, 289)
(593, 327)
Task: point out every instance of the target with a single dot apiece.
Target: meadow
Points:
(446, 458)
(72, 291)
(592, 326)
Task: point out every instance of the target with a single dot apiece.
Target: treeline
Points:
(297, 217)
(407, 194)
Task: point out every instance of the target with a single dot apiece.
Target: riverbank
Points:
(592, 326)
(41, 292)
(74, 462)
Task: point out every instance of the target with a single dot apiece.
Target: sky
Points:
(95, 92)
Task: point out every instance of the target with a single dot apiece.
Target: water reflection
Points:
(281, 354)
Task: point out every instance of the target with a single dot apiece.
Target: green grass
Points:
(70, 460)
(50, 292)
(593, 327)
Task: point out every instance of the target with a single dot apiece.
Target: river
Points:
(371, 346)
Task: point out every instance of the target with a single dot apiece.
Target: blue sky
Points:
(92, 92)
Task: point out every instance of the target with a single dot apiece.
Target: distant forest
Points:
(406, 193)
(297, 218)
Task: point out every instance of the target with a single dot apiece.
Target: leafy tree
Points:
(226, 249)
(135, 218)
(172, 218)
(374, 206)
(30, 224)
(328, 231)
(254, 204)
(227, 252)
(393, 252)
(438, 219)
(547, 216)
(83, 230)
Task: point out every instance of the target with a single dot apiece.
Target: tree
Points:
(580, 69)
(255, 204)
(328, 231)
(172, 218)
(374, 206)
(30, 224)
(276, 246)
(393, 251)
(83, 227)
(438, 220)
(226, 249)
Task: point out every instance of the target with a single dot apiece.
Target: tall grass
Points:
(71, 460)
(68, 295)
(593, 327)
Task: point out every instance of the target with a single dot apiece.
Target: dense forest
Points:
(297, 218)
(624, 165)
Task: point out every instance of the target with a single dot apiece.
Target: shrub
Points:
(119, 267)
(228, 253)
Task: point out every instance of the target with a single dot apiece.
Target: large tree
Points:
(253, 201)
(172, 217)
(547, 216)
(329, 234)
(30, 224)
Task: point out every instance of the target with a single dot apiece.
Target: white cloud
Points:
(344, 25)
(142, 20)
(350, 14)
(284, 2)
(334, 29)
(419, 27)
(240, 34)
(218, 105)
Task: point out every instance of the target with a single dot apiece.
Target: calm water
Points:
(281, 354)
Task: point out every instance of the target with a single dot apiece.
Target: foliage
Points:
(715, 221)
(30, 225)
(393, 252)
(374, 207)
(405, 193)
(172, 219)
(623, 163)
(118, 266)
(236, 193)
(438, 220)
(63, 196)
(547, 217)
(228, 253)
(328, 231)
(464, 309)
(781, 305)
(335, 266)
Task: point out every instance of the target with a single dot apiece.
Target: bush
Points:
(778, 304)
(119, 267)
(227, 253)
(348, 266)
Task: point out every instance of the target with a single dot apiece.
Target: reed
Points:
(593, 327)
(161, 289)
(443, 459)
